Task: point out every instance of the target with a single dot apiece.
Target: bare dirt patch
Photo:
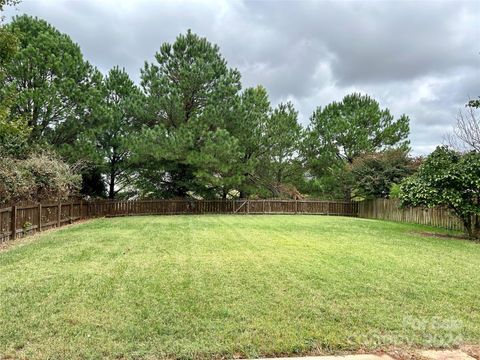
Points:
(472, 350)
(443, 236)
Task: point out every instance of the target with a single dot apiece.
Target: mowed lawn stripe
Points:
(222, 286)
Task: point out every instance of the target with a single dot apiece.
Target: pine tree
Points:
(190, 94)
(342, 131)
(116, 123)
(51, 82)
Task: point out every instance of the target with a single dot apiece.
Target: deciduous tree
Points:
(466, 132)
(373, 174)
(451, 179)
(475, 103)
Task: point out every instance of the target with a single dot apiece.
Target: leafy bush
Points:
(395, 191)
(374, 173)
(451, 179)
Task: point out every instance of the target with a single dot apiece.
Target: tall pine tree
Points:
(190, 94)
(282, 139)
(53, 85)
(342, 131)
(116, 123)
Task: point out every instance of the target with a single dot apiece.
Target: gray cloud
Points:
(418, 58)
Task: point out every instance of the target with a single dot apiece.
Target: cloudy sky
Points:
(421, 58)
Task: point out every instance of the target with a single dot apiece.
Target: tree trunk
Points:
(347, 194)
(111, 186)
(472, 226)
(476, 227)
(182, 178)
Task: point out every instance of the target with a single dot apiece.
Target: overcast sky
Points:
(421, 58)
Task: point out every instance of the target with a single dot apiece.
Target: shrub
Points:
(451, 179)
(374, 173)
(38, 177)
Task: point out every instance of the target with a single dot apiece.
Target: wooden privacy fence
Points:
(18, 221)
(389, 209)
(21, 220)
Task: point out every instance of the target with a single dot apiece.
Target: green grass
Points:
(224, 286)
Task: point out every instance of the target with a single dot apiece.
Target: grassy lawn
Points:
(213, 286)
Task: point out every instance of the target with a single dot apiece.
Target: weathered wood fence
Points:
(389, 209)
(21, 220)
(18, 221)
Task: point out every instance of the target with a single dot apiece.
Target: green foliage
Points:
(188, 131)
(14, 135)
(451, 179)
(395, 191)
(190, 92)
(50, 80)
(107, 143)
(8, 48)
(282, 138)
(247, 124)
(355, 126)
(93, 184)
(40, 176)
(279, 163)
(343, 131)
(373, 174)
(268, 141)
(475, 103)
(49, 93)
(331, 181)
(14, 132)
(5, 3)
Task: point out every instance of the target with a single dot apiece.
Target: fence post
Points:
(296, 206)
(13, 223)
(248, 206)
(80, 211)
(59, 214)
(70, 213)
(39, 217)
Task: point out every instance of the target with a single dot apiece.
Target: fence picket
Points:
(49, 215)
(389, 209)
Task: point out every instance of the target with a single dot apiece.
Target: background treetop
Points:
(54, 86)
(356, 125)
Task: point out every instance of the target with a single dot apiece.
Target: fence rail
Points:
(22, 220)
(389, 209)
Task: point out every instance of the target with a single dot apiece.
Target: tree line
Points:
(188, 129)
